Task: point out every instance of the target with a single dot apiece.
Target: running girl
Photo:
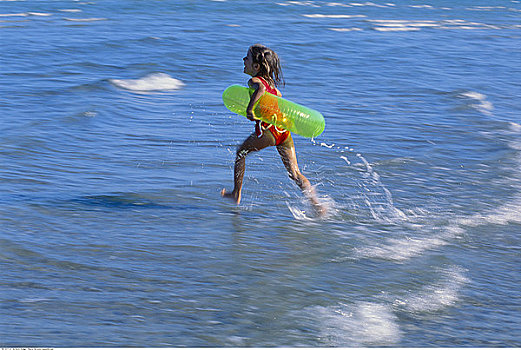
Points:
(263, 65)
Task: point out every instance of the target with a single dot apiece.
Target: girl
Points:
(263, 65)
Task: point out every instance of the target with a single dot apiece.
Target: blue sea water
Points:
(115, 144)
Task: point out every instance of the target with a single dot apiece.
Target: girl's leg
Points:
(251, 144)
(289, 158)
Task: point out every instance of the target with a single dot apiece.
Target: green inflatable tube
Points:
(275, 110)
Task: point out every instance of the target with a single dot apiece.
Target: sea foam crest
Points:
(436, 296)
(361, 324)
(299, 3)
(92, 19)
(515, 127)
(151, 82)
(401, 249)
(318, 15)
(505, 214)
(482, 105)
(390, 25)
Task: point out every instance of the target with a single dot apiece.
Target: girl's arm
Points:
(260, 89)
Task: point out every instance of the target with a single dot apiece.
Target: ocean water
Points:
(115, 144)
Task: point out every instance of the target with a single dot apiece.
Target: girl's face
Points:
(250, 68)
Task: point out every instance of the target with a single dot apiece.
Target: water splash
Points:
(373, 194)
(304, 211)
(378, 198)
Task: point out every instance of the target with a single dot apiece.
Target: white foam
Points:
(70, 10)
(462, 24)
(333, 4)
(401, 249)
(413, 25)
(486, 8)
(503, 215)
(462, 27)
(13, 14)
(298, 3)
(506, 214)
(39, 14)
(515, 127)
(404, 23)
(422, 6)
(474, 95)
(353, 29)
(483, 105)
(93, 19)
(361, 324)
(437, 296)
(317, 15)
(401, 25)
(34, 300)
(396, 29)
(366, 4)
(151, 82)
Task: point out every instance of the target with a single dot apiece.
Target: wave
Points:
(299, 3)
(405, 248)
(396, 29)
(334, 4)
(414, 25)
(353, 29)
(481, 103)
(436, 296)
(422, 6)
(360, 324)
(13, 14)
(316, 15)
(509, 213)
(403, 23)
(93, 19)
(435, 234)
(151, 82)
(363, 324)
(39, 14)
(486, 8)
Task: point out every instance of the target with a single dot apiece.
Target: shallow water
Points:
(115, 145)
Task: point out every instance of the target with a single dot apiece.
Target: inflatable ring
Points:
(275, 110)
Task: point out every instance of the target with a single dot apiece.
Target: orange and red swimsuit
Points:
(279, 135)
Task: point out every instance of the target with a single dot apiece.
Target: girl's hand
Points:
(250, 116)
(260, 89)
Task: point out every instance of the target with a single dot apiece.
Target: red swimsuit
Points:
(279, 135)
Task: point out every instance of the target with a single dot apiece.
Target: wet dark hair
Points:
(269, 63)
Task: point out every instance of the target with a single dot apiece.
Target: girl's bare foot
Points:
(232, 195)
